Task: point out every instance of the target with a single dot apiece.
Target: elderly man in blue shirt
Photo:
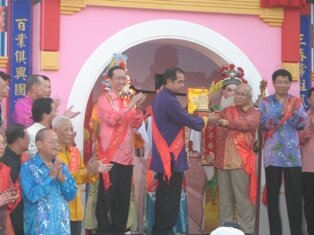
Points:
(47, 187)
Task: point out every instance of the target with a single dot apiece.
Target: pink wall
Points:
(83, 32)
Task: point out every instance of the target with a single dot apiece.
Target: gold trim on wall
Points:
(294, 69)
(70, 7)
(49, 60)
(4, 61)
(273, 16)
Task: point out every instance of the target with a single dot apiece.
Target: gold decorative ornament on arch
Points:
(272, 16)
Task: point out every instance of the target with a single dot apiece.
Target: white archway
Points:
(200, 38)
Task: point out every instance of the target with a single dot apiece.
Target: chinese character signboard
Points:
(305, 59)
(20, 53)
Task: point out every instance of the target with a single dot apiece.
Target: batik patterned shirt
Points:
(46, 210)
(282, 149)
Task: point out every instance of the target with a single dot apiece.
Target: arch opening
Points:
(199, 38)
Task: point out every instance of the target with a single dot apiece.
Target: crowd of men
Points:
(41, 168)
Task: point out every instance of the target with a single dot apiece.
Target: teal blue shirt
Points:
(46, 210)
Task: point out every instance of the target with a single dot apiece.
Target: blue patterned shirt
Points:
(282, 149)
(46, 210)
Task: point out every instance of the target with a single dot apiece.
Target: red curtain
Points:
(283, 3)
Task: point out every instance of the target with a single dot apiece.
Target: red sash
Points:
(4, 180)
(288, 114)
(164, 150)
(75, 158)
(246, 153)
(116, 140)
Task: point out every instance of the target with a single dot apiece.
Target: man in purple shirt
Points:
(282, 115)
(37, 86)
(169, 157)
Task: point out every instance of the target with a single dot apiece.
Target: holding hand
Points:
(213, 118)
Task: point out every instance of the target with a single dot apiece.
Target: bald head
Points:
(246, 87)
(243, 95)
(47, 143)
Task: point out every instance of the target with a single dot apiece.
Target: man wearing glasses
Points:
(236, 173)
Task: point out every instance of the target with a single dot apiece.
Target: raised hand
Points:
(141, 98)
(69, 113)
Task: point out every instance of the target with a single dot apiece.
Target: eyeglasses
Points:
(53, 142)
(241, 94)
(282, 82)
(119, 78)
(3, 143)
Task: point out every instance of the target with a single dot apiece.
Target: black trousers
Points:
(115, 201)
(293, 193)
(76, 227)
(308, 198)
(167, 203)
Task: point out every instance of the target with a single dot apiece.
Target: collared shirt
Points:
(282, 149)
(32, 131)
(307, 143)
(22, 113)
(228, 157)
(112, 113)
(46, 210)
(80, 176)
(170, 117)
(12, 160)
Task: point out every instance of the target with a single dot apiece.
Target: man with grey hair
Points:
(236, 163)
(70, 155)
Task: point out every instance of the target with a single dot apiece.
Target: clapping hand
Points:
(104, 167)
(7, 197)
(141, 98)
(137, 100)
(92, 166)
(56, 169)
